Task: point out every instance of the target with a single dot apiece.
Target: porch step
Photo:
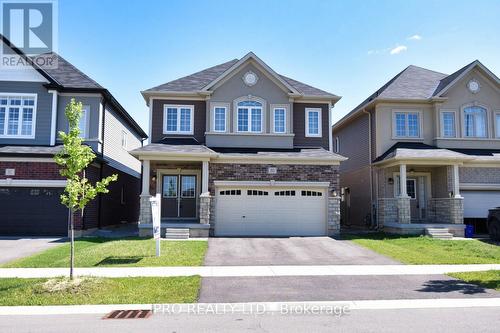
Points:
(177, 233)
(438, 233)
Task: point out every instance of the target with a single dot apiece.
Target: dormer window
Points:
(475, 122)
(249, 116)
(178, 119)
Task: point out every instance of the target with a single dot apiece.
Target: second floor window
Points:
(249, 116)
(219, 119)
(313, 122)
(497, 124)
(279, 120)
(448, 124)
(475, 122)
(178, 119)
(407, 124)
(82, 125)
(17, 116)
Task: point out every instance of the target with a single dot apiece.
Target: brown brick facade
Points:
(285, 172)
(31, 170)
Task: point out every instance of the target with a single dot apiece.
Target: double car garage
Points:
(270, 211)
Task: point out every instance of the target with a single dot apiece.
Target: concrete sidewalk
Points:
(247, 271)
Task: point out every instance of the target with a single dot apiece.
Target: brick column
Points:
(333, 215)
(457, 210)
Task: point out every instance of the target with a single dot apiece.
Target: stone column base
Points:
(145, 215)
(333, 227)
(205, 208)
(404, 210)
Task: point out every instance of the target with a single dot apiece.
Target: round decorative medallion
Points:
(250, 78)
(473, 86)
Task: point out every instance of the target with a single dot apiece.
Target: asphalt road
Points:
(403, 320)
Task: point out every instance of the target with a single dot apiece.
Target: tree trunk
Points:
(72, 243)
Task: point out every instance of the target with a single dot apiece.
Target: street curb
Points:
(252, 307)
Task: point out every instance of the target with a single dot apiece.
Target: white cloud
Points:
(398, 49)
(415, 37)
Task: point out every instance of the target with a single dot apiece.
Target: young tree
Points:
(74, 159)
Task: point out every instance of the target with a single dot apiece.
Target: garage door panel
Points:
(270, 215)
(477, 203)
(32, 211)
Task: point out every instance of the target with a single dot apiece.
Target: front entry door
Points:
(178, 196)
(416, 190)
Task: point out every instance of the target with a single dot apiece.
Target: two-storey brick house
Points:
(238, 149)
(32, 105)
(424, 151)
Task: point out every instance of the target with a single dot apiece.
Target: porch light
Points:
(390, 181)
(153, 178)
(334, 193)
(450, 194)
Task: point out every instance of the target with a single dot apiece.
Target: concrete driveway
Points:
(12, 248)
(289, 251)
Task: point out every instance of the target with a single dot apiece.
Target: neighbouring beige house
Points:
(423, 152)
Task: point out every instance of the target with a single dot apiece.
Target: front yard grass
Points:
(101, 252)
(425, 250)
(487, 279)
(139, 290)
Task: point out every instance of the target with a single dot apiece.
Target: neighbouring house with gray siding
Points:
(32, 106)
(424, 152)
(238, 149)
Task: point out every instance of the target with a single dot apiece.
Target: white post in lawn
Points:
(402, 180)
(155, 214)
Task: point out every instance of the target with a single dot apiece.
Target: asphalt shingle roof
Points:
(199, 80)
(30, 150)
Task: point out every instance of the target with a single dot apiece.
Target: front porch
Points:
(415, 196)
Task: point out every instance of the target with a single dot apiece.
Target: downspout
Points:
(99, 214)
(370, 164)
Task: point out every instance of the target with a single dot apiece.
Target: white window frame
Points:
(249, 117)
(337, 145)
(20, 121)
(496, 124)
(124, 140)
(225, 118)
(406, 113)
(178, 107)
(441, 121)
(320, 123)
(486, 120)
(85, 118)
(285, 128)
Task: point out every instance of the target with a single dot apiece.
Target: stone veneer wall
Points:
(393, 210)
(446, 210)
(285, 172)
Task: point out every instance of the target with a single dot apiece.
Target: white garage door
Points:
(270, 211)
(477, 203)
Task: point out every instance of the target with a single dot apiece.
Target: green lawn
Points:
(100, 252)
(100, 291)
(425, 250)
(487, 279)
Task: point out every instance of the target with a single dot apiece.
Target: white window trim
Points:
(420, 124)
(178, 107)
(11, 136)
(278, 107)
(225, 118)
(249, 118)
(441, 122)
(320, 122)
(85, 115)
(124, 140)
(496, 128)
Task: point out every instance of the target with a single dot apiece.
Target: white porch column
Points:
(402, 180)
(204, 177)
(145, 177)
(456, 182)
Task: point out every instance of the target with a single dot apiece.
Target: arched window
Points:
(475, 122)
(249, 116)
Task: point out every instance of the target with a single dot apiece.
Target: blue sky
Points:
(349, 48)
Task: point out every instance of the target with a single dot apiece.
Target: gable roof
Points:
(66, 77)
(416, 83)
(202, 81)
